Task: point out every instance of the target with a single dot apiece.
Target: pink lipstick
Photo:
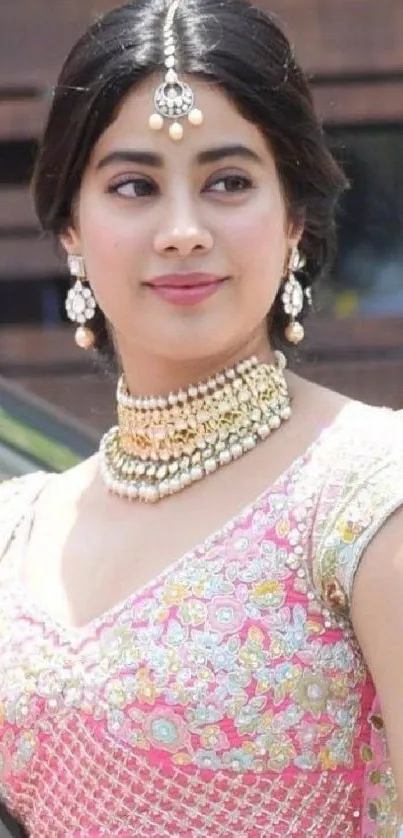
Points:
(185, 289)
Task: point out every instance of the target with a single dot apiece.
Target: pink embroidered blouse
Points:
(228, 697)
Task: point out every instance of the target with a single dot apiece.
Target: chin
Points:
(193, 348)
(193, 352)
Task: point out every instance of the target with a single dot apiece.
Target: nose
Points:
(182, 234)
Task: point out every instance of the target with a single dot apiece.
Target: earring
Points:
(80, 303)
(293, 298)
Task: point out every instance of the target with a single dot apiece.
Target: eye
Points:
(228, 184)
(134, 188)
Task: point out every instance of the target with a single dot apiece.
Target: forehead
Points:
(223, 124)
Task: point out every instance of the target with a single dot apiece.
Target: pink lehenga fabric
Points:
(228, 697)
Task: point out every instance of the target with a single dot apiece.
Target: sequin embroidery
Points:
(228, 697)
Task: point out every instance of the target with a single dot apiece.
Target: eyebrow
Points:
(156, 161)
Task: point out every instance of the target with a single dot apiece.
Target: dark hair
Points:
(235, 45)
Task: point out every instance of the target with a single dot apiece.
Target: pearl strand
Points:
(146, 480)
(125, 399)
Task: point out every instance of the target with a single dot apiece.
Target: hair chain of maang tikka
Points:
(174, 98)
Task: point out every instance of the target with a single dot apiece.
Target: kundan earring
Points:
(80, 303)
(293, 298)
(174, 98)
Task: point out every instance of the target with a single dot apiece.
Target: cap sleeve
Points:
(16, 496)
(356, 501)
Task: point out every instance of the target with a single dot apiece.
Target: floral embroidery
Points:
(313, 693)
(166, 730)
(226, 615)
(230, 685)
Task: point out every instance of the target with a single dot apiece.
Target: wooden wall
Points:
(353, 47)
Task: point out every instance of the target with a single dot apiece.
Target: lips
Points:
(184, 280)
(185, 289)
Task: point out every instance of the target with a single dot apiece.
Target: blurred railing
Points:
(34, 434)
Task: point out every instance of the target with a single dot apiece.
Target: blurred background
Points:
(353, 53)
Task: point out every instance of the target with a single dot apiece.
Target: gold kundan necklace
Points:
(162, 445)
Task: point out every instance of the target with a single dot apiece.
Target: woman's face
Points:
(185, 243)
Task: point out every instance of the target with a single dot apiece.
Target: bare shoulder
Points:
(315, 406)
(312, 392)
(377, 422)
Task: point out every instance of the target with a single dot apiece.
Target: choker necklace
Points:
(162, 445)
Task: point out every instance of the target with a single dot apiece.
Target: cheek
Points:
(257, 237)
(113, 246)
(105, 258)
(107, 234)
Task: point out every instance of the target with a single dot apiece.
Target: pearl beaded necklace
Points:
(162, 445)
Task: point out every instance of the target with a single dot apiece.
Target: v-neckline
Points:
(79, 635)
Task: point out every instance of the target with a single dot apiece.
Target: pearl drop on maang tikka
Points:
(173, 99)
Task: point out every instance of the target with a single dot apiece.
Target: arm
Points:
(377, 616)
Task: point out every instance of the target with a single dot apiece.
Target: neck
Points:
(147, 374)
(162, 445)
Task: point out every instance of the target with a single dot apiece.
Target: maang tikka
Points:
(292, 297)
(80, 303)
(174, 98)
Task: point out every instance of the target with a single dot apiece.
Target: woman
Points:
(149, 686)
